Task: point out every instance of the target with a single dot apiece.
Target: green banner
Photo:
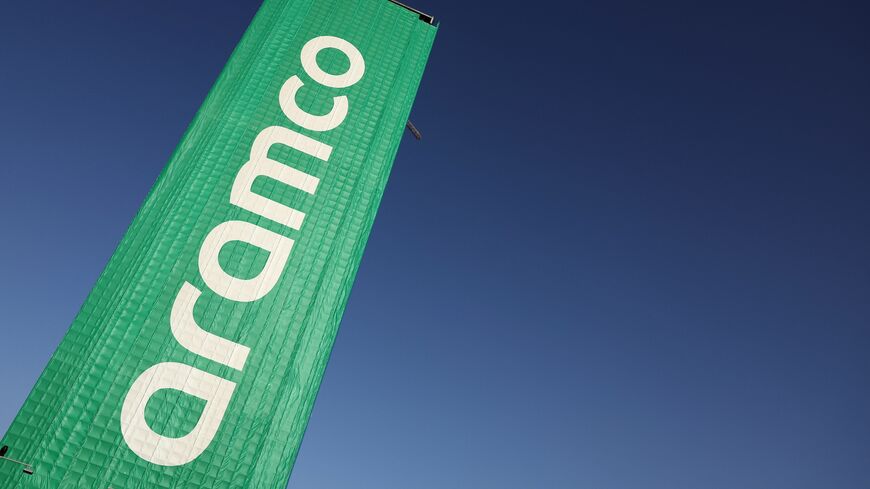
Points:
(195, 360)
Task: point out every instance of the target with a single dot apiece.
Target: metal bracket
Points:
(429, 19)
(416, 132)
(28, 469)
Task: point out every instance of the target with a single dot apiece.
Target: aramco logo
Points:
(217, 391)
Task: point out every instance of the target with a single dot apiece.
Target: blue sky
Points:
(631, 250)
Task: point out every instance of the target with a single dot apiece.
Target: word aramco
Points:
(217, 391)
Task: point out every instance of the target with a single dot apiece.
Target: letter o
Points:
(346, 79)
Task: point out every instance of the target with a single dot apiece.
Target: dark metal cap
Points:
(429, 19)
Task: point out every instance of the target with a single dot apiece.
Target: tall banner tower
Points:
(196, 359)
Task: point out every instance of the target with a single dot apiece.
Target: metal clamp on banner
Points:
(423, 16)
(416, 132)
(28, 469)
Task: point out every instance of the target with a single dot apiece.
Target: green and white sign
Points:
(195, 361)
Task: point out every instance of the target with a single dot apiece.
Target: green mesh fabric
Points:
(69, 428)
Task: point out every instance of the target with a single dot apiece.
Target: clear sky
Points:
(630, 252)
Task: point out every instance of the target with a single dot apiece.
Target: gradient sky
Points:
(632, 250)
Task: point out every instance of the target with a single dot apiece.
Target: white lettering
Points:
(162, 450)
(260, 164)
(237, 289)
(216, 391)
(287, 100)
(346, 79)
(196, 339)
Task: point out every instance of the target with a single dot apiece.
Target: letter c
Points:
(326, 122)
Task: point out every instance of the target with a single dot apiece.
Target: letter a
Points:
(238, 289)
(162, 450)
